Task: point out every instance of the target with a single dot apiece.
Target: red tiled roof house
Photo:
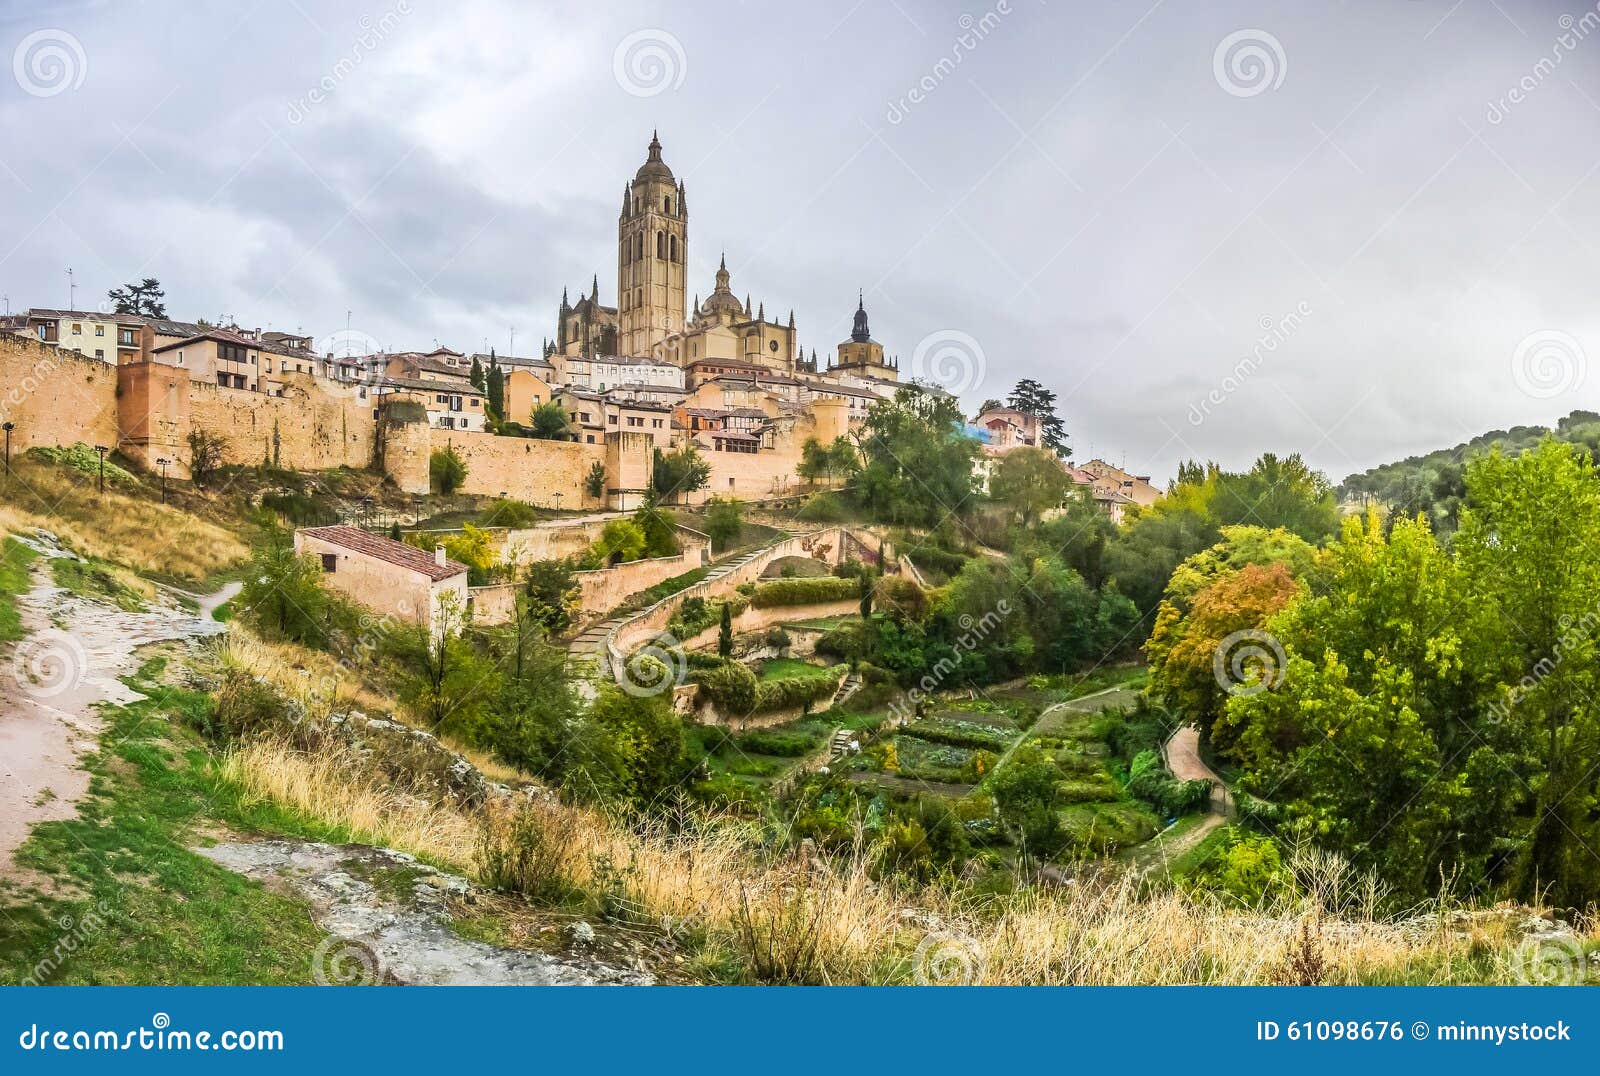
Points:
(388, 577)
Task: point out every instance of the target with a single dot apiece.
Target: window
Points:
(99, 330)
(127, 336)
(613, 419)
(591, 439)
(672, 248)
(330, 562)
(666, 206)
(99, 353)
(180, 358)
(661, 245)
(77, 329)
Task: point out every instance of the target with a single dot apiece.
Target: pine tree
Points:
(476, 377)
(1032, 398)
(725, 633)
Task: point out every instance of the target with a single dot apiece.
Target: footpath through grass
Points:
(123, 900)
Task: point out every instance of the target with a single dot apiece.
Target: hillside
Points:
(1432, 483)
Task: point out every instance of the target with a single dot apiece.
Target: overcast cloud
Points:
(1091, 192)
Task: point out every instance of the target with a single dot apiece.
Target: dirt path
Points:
(1183, 759)
(51, 685)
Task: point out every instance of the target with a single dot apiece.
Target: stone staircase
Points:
(840, 745)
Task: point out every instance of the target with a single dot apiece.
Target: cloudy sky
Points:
(1123, 200)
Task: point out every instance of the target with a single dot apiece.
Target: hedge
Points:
(822, 588)
(1151, 781)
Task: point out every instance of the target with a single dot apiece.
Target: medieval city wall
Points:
(55, 397)
(524, 468)
(306, 429)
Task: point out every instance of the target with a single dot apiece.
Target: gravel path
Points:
(51, 684)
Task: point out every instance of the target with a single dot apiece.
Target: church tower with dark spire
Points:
(652, 256)
(861, 355)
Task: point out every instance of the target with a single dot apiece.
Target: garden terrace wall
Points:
(706, 713)
(653, 621)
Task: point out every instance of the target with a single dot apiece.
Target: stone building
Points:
(388, 577)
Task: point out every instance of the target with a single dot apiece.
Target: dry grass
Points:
(331, 787)
(319, 685)
(792, 918)
(116, 526)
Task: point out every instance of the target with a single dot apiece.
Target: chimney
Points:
(438, 555)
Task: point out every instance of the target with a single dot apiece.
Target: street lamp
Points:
(162, 463)
(102, 450)
(8, 427)
(558, 500)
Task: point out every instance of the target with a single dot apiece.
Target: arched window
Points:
(638, 245)
(661, 244)
(672, 248)
(666, 206)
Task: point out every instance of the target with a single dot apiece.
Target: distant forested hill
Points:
(1434, 484)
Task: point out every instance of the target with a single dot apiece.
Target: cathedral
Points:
(653, 319)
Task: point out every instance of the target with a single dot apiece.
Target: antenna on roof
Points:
(72, 290)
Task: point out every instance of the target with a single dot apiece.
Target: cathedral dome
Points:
(654, 167)
(722, 300)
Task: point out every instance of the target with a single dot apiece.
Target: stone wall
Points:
(309, 428)
(523, 468)
(600, 590)
(55, 397)
(653, 621)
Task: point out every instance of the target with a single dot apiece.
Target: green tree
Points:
(1530, 544)
(445, 681)
(594, 483)
(917, 459)
(1279, 493)
(552, 593)
(476, 375)
(678, 473)
(725, 632)
(495, 390)
(144, 299)
(548, 422)
(283, 594)
(1024, 792)
(206, 452)
(447, 470)
(1032, 398)
(724, 521)
(620, 540)
(1030, 482)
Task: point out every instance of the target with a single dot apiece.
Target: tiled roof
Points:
(387, 550)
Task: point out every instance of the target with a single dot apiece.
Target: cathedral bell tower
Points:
(652, 257)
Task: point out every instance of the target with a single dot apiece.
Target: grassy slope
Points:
(15, 559)
(168, 914)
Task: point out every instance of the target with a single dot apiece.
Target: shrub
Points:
(1151, 781)
(530, 851)
(446, 470)
(509, 512)
(822, 508)
(777, 639)
(797, 690)
(779, 592)
(730, 687)
(785, 743)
